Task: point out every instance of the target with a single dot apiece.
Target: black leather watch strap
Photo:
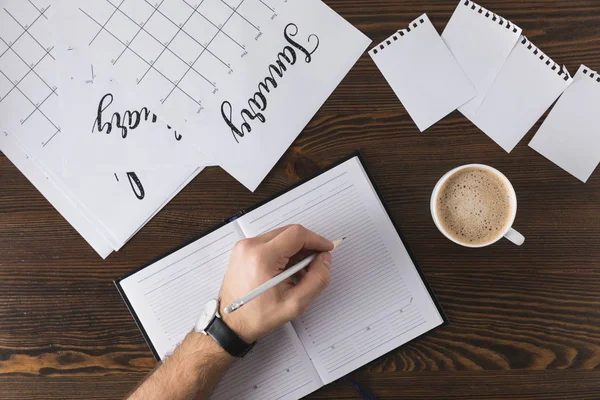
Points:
(228, 339)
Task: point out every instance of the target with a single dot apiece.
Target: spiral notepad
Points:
(481, 42)
(570, 136)
(422, 72)
(527, 85)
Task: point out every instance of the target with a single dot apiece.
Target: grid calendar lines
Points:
(24, 76)
(151, 63)
(26, 29)
(190, 36)
(213, 24)
(266, 5)
(37, 106)
(38, 10)
(103, 27)
(138, 32)
(32, 103)
(51, 137)
(138, 55)
(179, 29)
(31, 69)
(235, 11)
(23, 33)
(202, 52)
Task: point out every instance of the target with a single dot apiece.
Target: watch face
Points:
(208, 314)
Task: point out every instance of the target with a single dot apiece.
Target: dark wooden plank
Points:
(525, 322)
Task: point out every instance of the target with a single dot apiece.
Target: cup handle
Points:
(515, 237)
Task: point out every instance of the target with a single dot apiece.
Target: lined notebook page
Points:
(481, 42)
(168, 297)
(525, 88)
(376, 300)
(570, 135)
(422, 72)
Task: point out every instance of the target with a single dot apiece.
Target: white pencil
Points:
(275, 281)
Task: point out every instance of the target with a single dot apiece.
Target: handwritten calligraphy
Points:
(129, 120)
(258, 103)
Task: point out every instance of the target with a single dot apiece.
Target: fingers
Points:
(265, 237)
(312, 284)
(295, 238)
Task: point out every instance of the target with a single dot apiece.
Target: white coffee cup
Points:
(509, 233)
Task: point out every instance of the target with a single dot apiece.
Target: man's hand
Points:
(198, 363)
(255, 261)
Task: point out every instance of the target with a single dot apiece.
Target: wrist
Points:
(237, 325)
(200, 347)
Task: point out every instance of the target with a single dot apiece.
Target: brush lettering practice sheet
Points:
(376, 302)
(240, 77)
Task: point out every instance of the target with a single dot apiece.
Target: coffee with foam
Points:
(475, 206)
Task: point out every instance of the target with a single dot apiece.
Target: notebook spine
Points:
(396, 36)
(471, 5)
(560, 70)
(592, 74)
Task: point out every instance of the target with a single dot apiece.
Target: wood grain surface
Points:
(525, 322)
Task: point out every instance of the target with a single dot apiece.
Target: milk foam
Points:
(474, 206)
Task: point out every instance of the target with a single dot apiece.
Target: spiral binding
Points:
(535, 50)
(592, 74)
(488, 14)
(396, 36)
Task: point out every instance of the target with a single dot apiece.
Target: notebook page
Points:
(570, 136)
(422, 72)
(525, 88)
(278, 367)
(168, 297)
(481, 42)
(376, 300)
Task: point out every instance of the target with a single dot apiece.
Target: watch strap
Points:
(227, 338)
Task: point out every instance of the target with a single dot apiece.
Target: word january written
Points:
(258, 103)
(129, 120)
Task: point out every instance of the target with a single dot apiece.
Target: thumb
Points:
(312, 284)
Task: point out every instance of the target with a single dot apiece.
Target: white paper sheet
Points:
(423, 73)
(525, 88)
(481, 42)
(106, 128)
(205, 63)
(570, 136)
(61, 202)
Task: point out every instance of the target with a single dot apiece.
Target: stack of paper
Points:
(235, 82)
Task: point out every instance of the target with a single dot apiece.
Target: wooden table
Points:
(525, 322)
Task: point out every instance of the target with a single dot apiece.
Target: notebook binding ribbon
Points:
(490, 15)
(562, 71)
(396, 36)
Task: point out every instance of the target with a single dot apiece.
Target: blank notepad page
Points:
(525, 88)
(570, 136)
(481, 42)
(423, 73)
(376, 300)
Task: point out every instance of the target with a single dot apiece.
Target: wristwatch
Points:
(211, 324)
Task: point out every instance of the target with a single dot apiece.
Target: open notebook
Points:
(377, 300)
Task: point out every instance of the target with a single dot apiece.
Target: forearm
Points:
(191, 372)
